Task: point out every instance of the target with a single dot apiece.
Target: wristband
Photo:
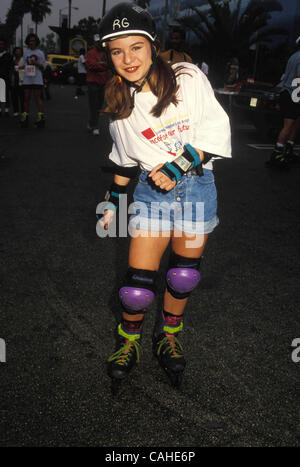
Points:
(179, 166)
(112, 196)
(128, 172)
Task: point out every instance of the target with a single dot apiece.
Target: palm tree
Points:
(226, 32)
(15, 14)
(39, 9)
(14, 18)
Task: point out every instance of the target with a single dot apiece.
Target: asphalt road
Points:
(59, 305)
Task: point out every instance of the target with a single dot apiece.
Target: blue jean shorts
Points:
(190, 207)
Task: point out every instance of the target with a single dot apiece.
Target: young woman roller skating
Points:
(166, 122)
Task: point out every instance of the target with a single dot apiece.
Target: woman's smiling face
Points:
(132, 58)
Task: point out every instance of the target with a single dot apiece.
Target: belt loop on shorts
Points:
(191, 172)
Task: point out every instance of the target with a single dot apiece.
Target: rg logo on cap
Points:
(120, 24)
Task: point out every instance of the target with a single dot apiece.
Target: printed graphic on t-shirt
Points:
(169, 134)
(31, 59)
(30, 68)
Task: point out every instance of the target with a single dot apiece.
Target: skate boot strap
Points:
(130, 337)
(170, 344)
(173, 329)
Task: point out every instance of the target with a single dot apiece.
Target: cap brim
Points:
(133, 32)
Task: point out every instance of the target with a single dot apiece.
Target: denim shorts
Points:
(190, 207)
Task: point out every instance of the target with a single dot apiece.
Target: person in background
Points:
(283, 154)
(81, 79)
(96, 77)
(232, 75)
(47, 76)
(34, 64)
(6, 70)
(176, 53)
(204, 68)
(17, 93)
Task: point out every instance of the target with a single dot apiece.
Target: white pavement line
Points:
(267, 146)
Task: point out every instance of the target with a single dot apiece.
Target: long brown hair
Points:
(162, 83)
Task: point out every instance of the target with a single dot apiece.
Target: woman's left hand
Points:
(160, 179)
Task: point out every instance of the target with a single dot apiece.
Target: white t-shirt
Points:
(81, 66)
(32, 74)
(198, 119)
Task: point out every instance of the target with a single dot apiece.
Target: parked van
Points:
(58, 60)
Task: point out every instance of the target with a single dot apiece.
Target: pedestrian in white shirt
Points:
(166, 122)
(81, 78)
(34, 64)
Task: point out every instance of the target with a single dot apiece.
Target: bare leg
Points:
(294, 130)
(27, 96)
(286, 131)
(179, 246)
(166, 344)
(38, 100)
(145, 252)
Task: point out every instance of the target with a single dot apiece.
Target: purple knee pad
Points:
(135, 298)
(183, 280)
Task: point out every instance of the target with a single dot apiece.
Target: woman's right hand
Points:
(160, 179)
(107, 218)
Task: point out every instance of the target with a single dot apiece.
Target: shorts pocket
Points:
(206, 178)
